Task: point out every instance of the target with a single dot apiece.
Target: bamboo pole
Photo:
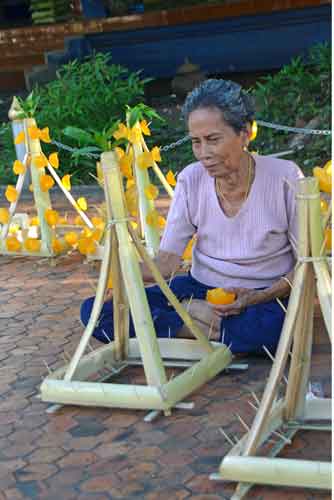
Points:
(120, 303)
(287, 331)
(175, 348)
(151, 233)
(278, 471)
(156, 169)
(42, 199)
(140, 311)
(201, 337)
(137, 397)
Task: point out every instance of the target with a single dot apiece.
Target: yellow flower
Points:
(78, 221)
(323, 206)
(131, 200)
(134, 135)
(122, 132)
(82, 203)
(144, 127)
(328, 239)
(152, 218)
(4, 216)
(325, 180)
(66, 182)
(145, 160)
(151, 192)
(14, 228)
(32, 245)
(161, 222)
(18, 167)
(34, 132)
(13, 244)
(120, 152)
(109, 285)
(97, 234)
(188, 252)
(125, 164)
(87, 232)
(170, 178)
(98, 222)
(44, 134)
(130, 183)
(11, 194)
(34, 221)
(54, 160)
(220, 296)
(253, 131)
(20, 137)
(46, 182)
(328, 167)
(40, 161)
(156, 153)
(57, 245)
(71, 238)
(63, 220)
(86, 246)
(51, 216)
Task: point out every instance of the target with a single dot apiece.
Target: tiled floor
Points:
(99, 454)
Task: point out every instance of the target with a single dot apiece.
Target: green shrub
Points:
(91, 95)
(298, 93)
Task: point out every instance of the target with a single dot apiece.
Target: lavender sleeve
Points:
(179, 228)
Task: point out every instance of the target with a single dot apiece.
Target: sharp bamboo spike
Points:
(211, 330)
(253, 406)
(243, 423)
(189, 303)
(106, 336)
(273, 360)
(281, 436)
(47, 367)
(281, 304)
(226, 436)
(255, 397)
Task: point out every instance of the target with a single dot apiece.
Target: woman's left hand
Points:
(244, 297)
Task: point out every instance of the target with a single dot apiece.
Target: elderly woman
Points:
(242, 208)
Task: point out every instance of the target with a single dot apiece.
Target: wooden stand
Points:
(68, 385)
(294, 410)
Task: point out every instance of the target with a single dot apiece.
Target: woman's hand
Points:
(244, 297)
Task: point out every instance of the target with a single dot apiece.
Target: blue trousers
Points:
(246, 332)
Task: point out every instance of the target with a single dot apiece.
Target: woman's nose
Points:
(204, 150)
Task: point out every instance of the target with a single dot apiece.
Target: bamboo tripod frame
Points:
(293, 411)
(69, 384)
(41, 199)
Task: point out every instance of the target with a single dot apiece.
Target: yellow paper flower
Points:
(220, 296)
(44, 134)
(109, 285)
(253, 131)
(131, 200)
(14, 228)
(18, 167)
(161, 222)
(78, 221)
(170, 178)
(328, 239)
(32, 245)
(97, 234)
(46, 182)
(122, 132)
(328, 167)
(40, 161)
(325, 180)
(54, 160)
(20, 137)
(152, 218)
(151, 192)
(323, 206)
(98, 222)
(4, 215)
(34, 132)
(134, 135)
(188, 252)
(71, 238)
(125, 165)
(66, 182)
(86, 246)
(145, 160)
(86, 232)
(130, 183)
(156, 153)
(34, 221)
(144, 127)
(120, 152)
(13, 244)
(57, 246)
(51, 216)
(11, 194)
(82, 203)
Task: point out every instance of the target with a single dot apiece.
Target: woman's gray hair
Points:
(236, 105)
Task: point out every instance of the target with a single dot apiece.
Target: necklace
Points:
(248, 186)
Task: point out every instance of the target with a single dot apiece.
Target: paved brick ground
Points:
(99, 454)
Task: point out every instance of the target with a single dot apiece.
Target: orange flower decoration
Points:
(134, 135)
(161, 222)
(152, 218)
(156, 153)
(20, 137)
(71, 238)
(122, 132)
(144, 127)
(328, 239)
(66, 182)
(151, 192)
(145, 160)
(13, 244)
(219, 296)
(44, 134)
(82, 203)
(34, 132)
(32, 245)
(4, 216)
(253, 131)
(109, 285)
(34, 221)
(11, 194)
(86, 246)
(46, 182)
(40, 161)
(18, 167)
(51, 216)
(54, 160)
(125, 164)
(57, 246)
(188, 252)
(170, 178)
(325, 180)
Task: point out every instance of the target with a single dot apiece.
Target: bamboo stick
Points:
(151, 233)
(176, 349)
(201, 337)
(42, 199)
(140, 311)
(282, 353)
(278, 471)
(156, 169)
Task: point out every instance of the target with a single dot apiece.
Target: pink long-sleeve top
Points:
(251, 249)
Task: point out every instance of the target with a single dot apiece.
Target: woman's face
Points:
(215, 143)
